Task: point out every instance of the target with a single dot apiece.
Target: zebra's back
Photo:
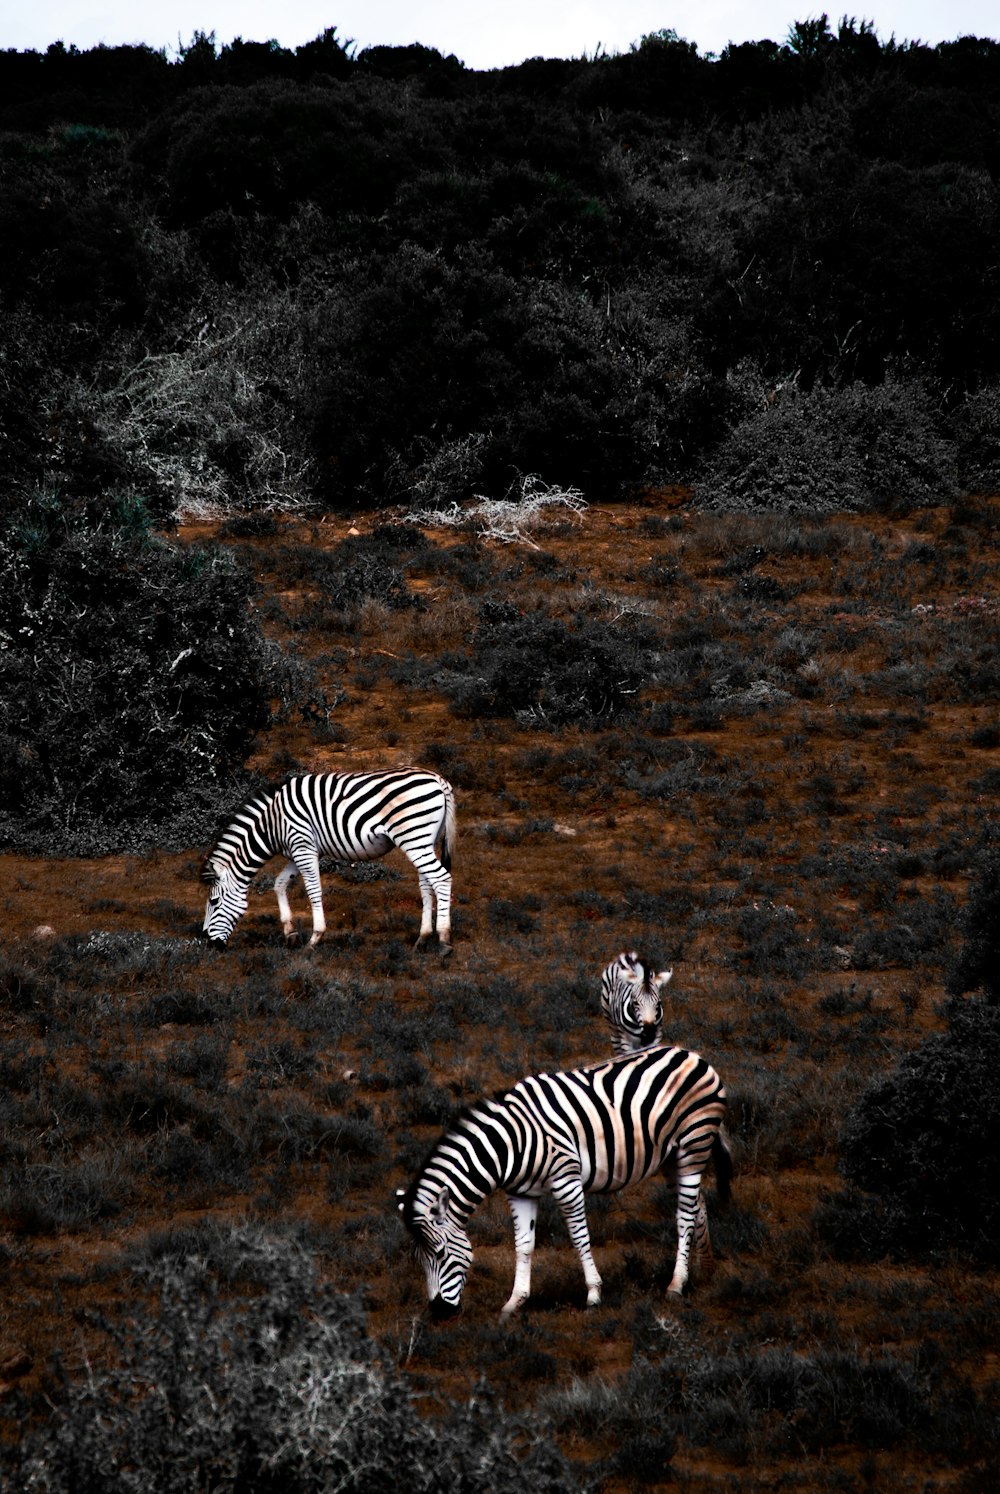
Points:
(349, 814)
(622, 1117)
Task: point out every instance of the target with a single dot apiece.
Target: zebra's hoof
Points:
(446, 951)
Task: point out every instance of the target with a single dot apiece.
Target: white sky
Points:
(490, 33)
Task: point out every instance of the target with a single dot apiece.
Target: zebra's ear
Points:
(439, 1208)
(663, 978)
(209, 873)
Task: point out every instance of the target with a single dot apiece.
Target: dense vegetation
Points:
(250, 277)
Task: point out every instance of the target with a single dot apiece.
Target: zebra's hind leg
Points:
(426, 910)
(704, 1258)
(692, 1227)
(435, 887)
(523, 1212)
(440, 878)
(568, 1195)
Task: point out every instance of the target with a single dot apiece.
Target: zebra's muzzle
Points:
(442, 1311)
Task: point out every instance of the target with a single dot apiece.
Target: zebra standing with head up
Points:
(590, 1130)
(630, 1002)
(350, 816)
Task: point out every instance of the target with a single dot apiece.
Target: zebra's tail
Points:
(723, 1159)
(449, 830)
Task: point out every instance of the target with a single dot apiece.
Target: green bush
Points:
(133, 678)
(925, 1140)
(278, 1389)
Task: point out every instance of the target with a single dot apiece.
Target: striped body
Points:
(630, 1002)
(349, 816)
(591, 1130)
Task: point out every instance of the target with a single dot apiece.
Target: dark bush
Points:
(69, 245)
(542, 670)
(854, 448)
(925, 1138)
(263, 149)
(423, 359)
(132, 681)
(978, 964)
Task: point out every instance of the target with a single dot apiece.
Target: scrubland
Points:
(760, 749)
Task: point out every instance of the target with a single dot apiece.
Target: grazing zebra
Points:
(590, 1130)
(630, 1001)
(351, 816)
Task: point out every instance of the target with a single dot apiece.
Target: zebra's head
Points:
(630, 1000)
(227, 901)
(442, 1247)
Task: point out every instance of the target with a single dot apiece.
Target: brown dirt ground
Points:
(601, 832)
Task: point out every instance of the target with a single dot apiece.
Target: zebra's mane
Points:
(247, 815)
(468, 1113)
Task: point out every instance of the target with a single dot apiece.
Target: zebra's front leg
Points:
(524, 1212)
(281, 885)
(306, 860)
(571, 1202)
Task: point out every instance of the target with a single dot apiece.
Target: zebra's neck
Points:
(474, 1158)
(249, 841)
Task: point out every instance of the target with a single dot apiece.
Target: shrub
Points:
(925, 1138)
(202, 428)
(978, 423)
(69, 1193)
(266, 148)
(133, 677)
(434, 376)
(854, 448)
(542, 670)
(978, 964)
(532, 504)
(277, 1390)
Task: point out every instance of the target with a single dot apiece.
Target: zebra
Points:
(589, 1130)
(351, 816)
(630, 1002)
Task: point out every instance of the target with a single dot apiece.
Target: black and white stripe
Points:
(349, 816)
(590, 1130)
(631, 1004)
